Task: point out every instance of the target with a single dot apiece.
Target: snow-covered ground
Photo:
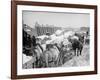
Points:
(82, 60)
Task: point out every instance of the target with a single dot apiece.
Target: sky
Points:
(59, 19)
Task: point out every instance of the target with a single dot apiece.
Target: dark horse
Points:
(77, 47)
(81, 37)
(26, 43)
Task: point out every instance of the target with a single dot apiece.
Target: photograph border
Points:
(14, 38)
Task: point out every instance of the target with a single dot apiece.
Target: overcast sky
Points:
(57, 19)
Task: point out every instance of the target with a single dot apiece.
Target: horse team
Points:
(53, 53)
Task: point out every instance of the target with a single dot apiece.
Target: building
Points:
(43, 29)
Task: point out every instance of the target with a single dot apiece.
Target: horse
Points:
(87, 39)
(81, 37)
(50, 56)
(37, 52)
(65, 51)
(26, 43)
(77, 46)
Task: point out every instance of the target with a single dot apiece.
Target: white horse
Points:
(50, 56)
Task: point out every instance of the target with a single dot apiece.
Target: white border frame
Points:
(21, 71)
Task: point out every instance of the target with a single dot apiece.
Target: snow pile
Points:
(69, 33)
(58, 32)
(75, 37)
(42, 37)
(26, 58)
